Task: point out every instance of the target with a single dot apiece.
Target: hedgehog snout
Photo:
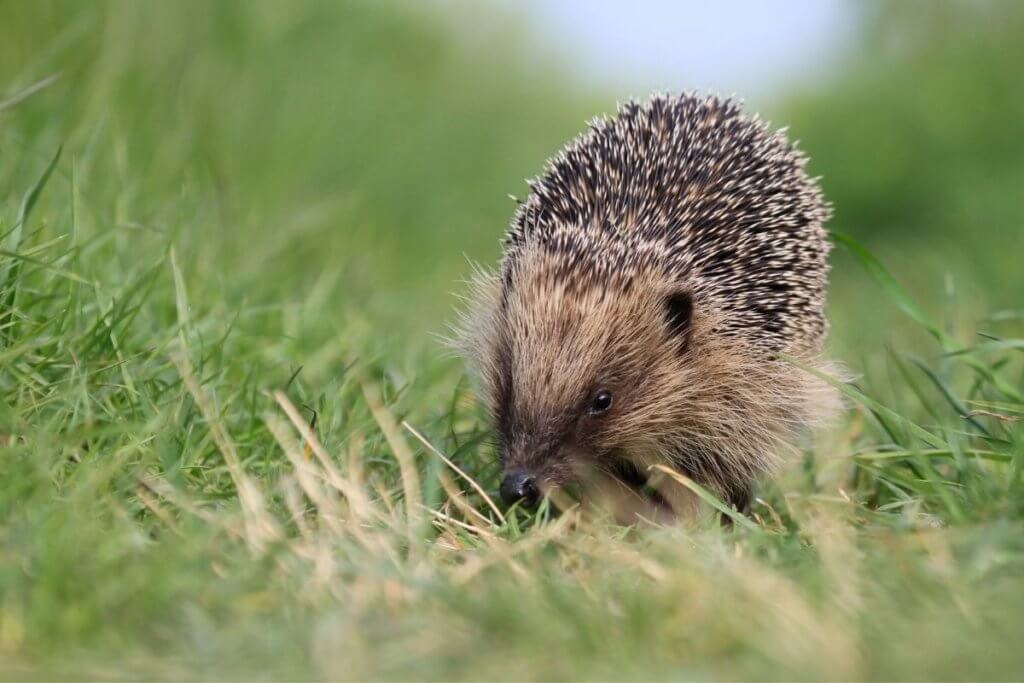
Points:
(519, 486)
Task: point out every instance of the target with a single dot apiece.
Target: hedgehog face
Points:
(581, 373)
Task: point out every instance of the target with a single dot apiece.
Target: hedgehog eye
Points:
(601, 402)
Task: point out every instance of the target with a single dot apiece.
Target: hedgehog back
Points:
(691, 187)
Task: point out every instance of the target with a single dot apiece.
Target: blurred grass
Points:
(917, 139)
(291, 132)
(259, 197)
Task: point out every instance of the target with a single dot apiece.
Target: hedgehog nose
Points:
(519, 487)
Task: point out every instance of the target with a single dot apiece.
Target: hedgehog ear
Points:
(678, 313)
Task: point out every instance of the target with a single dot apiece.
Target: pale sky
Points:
(744, 47)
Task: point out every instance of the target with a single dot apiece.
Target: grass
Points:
(230, 449)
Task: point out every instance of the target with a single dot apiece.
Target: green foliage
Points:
(222, 222)
(918, 141)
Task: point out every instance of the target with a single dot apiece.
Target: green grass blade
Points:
(891, 287)
(10, 271)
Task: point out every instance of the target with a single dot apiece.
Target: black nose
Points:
(518, 486)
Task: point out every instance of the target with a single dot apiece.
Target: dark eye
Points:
(601, 403)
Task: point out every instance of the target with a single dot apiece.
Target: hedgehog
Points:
(659, 301)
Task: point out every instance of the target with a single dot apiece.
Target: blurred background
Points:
(335, 166)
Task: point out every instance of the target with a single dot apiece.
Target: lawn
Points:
(231, 445)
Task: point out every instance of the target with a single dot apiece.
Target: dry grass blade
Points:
(307, 449)
(165, 491)
(359, 503)
(999, 416)
(292, 497)
(506, 552)
(305, 475)
(457, 499)
(360, 509)
(406, 461)
(260, 527)
(626, 554)
(472, 482)
(448, 519)
(151, 503)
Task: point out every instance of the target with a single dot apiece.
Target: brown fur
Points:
(581, 304)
